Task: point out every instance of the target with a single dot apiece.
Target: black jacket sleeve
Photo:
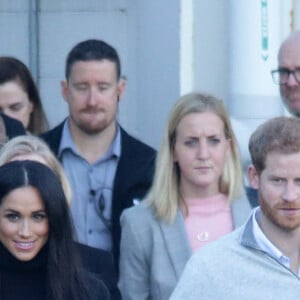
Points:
(13, 127)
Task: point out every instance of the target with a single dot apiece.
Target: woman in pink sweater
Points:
(198, 175)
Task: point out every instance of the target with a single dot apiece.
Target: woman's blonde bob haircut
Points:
(32, 145)
(164, 195)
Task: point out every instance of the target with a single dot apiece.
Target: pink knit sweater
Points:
(207, 220)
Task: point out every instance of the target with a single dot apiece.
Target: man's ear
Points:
(253, 177)
(121, 87)
(64, 89)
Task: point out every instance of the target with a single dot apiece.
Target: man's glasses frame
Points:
(281, 75)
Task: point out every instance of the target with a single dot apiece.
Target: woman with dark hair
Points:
(38, 259)
(30, 147)
(19, 96)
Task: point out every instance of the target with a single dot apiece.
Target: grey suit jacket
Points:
(153, 254)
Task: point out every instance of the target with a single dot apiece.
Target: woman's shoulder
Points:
(86, 250)
(241, 210)
(95, 287)
(139, 212)
(100, 263)
(95, 260)
(241, 201)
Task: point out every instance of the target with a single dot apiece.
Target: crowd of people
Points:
(87, 211)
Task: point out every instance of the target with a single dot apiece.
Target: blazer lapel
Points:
(176, 242)
(240, 211)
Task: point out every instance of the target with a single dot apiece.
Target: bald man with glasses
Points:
(287, 76)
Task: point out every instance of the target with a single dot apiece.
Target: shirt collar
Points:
(262, 241)
(67, 143)
(265, 244)
(253, 237)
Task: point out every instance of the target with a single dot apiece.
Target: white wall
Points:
(62, 24)
(14, 24)
(145, 33)
(228, 59)
(157, 65)
(148, 36)
(211, 47)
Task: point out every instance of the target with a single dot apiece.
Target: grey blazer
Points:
(153, 254)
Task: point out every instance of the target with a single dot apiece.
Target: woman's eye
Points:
(12, 217)
(214, 141)
(16, 108)
(39, 217)
(190, 143)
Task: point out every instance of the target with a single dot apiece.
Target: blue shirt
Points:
(92, 186)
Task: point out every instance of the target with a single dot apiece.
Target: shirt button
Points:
(90, 231)
(92, 192)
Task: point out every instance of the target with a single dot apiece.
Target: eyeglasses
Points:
(281, 76)
(101, 206)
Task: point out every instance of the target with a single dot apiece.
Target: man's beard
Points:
(273, 215)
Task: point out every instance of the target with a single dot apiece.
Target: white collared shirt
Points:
(266, 245)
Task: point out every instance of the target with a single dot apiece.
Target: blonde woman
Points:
(33, 148)
(196, 197)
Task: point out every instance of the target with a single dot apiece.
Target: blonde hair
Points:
(29, 144)
(164, 195)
